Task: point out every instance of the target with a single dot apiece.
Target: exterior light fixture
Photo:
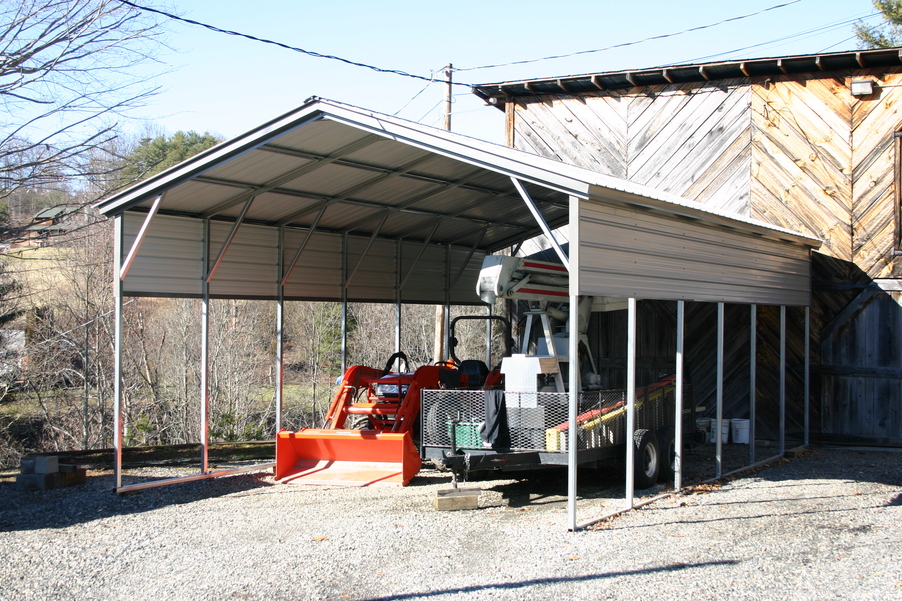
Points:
(862, 87)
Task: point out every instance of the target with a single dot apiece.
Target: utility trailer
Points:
(472, 430)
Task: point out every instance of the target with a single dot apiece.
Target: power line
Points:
(624, 44)
(806, 33)
(415, 96)
(280, 44)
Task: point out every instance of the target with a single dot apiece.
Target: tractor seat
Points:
(475, 370)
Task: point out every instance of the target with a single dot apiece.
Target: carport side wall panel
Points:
(170, 264)
(171, 259)
(624, 251)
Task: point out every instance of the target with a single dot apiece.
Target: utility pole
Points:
(438, 353)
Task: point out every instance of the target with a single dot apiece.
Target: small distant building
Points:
(46, 223)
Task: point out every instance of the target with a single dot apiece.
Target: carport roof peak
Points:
(357, 168)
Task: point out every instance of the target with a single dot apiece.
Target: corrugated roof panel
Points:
(397, 190)
(388, 154)
(195, 197)
(330, 180)
(257, 167)
(321, 137)
(274, 207)
(343, 216)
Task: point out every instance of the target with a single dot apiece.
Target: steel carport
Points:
(333, 202)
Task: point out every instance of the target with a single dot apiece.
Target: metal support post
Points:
(782, 379)
(630, 400)
(573, 373)
(205, 357)
(398, 296)
(678, 418)
(753, 361)
(718, 436)
(344, 303)
(117, 368)
(446, 314)
(807, 392)
(280, 332)
(488, 337)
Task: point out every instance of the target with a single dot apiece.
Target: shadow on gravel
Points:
(61, 508)
(547, 581)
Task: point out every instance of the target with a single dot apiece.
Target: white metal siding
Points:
(171, 259)
(628, 252)
(250, 266)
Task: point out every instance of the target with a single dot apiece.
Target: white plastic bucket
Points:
(704, 425)
(724, 430)
(740, 430)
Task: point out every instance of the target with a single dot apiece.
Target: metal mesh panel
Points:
(537, 421)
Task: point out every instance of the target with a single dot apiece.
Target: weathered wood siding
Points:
(693, 140)
(874, 119)
(797, 151)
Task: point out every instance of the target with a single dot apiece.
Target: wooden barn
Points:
(810, 143)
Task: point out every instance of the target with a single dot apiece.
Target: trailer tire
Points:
(645, 468)
(667, 456)
(358, 422)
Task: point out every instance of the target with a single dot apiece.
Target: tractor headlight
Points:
(388, 390)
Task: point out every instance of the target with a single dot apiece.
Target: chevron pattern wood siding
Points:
(802, 159)
(693, 140)
(874, 119)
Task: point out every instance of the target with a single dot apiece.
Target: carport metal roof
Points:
(417, 207)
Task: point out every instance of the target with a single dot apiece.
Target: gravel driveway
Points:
(824, 526)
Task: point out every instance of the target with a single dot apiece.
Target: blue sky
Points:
(227, 85)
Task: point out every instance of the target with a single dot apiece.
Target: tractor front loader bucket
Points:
(346, 457)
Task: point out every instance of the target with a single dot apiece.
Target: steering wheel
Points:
(391, 360)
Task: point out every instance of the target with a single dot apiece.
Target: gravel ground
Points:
(827, 525)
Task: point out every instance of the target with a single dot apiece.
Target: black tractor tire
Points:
(358, 422)
(645, 469)
(667, 456)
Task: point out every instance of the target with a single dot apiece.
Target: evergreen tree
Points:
(886, 35)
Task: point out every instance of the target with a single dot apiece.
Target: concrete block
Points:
(454, 499)
(40, 482)
(74, 477)
(46, 464)
(26, 465)
(794, 453)
(68, 467)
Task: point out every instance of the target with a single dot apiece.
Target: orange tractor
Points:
(371, 431)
